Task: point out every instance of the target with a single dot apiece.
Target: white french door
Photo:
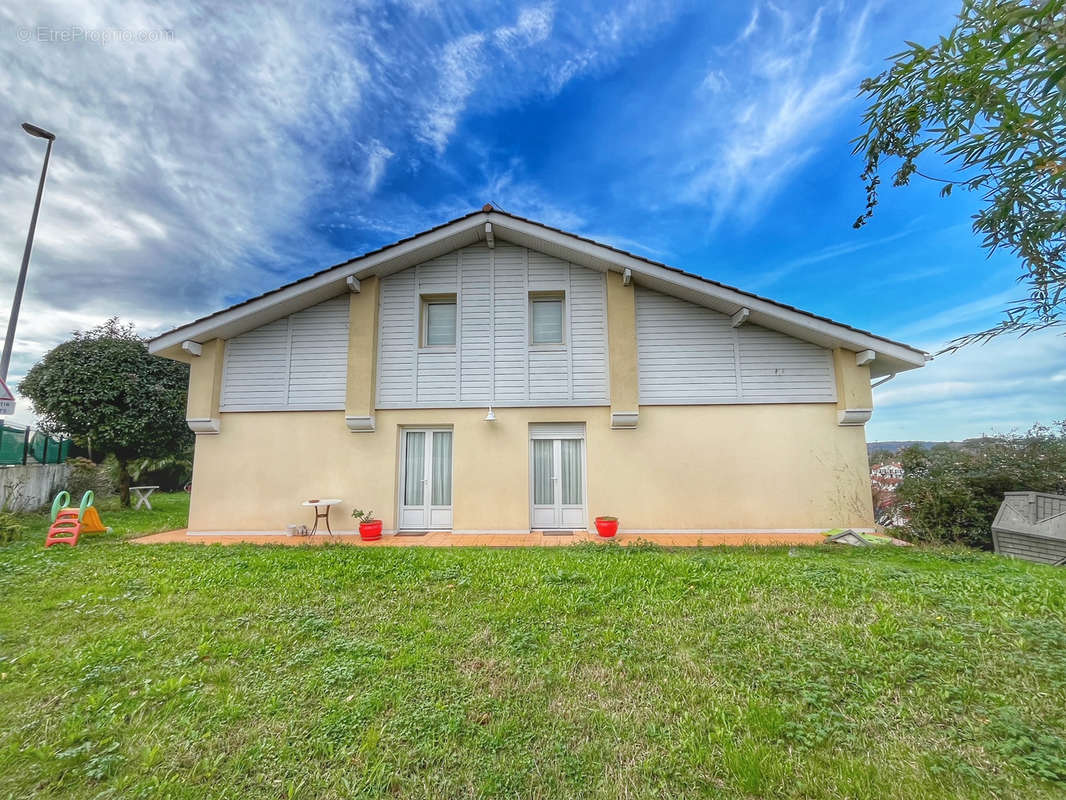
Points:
(426, 480)
(557, 476)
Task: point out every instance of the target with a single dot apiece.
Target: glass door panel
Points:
(543, 473)
(571, 472)
(442, 468)
(414, 480)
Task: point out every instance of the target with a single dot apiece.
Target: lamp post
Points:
(12, 321)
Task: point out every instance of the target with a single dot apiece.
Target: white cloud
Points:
(533, 26)
(601, 38)
(829, 253)
(1009, 383)
(792, 76)
(176, 161)
(714, 81)
(947, 323)
(459, 69)
(504, 189)
(495, 67)
(378, 156)
(751, 27)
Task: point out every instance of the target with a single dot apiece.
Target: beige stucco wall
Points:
(205, 381)
(362, 348)
(853, 381)
(622, 336)
(683, 468)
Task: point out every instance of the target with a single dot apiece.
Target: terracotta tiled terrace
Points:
(532, 539)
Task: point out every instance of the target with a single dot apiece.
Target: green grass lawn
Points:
(593, 671)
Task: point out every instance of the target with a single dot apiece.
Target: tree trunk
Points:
(124, 483)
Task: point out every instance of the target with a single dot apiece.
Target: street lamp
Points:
(12, 321)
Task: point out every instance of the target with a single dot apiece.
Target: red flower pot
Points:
(370, 531)
(606, 527)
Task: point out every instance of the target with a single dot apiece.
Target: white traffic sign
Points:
(7, 400)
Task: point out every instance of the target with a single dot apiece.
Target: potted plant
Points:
(369, 528)
(607, 526)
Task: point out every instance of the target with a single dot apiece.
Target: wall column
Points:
(855, 402)
(622, 350)
(361, 397)
(205, 386)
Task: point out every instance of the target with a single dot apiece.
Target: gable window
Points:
(546, 318)
(438, 320)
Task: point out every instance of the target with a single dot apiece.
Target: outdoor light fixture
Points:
(490, 417)
(33, 130)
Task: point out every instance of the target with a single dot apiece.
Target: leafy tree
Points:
(105, 387)
(989, 99)
(950, 493)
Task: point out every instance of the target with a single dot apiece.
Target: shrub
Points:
(10, 527)
(950, 493)
(85, 475)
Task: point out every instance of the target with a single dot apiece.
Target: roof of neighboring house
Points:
(471, 228)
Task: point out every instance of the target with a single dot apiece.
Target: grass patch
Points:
(586, 671)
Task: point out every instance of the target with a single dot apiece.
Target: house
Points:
(493, 374)
(889, 474)
(885, 480)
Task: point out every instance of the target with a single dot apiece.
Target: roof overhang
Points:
(889, 357)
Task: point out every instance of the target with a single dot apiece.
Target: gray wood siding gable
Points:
(493, 362)
(688, 355)
(299, 363)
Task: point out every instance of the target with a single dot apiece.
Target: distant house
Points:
(884, 480)
(494, 374)
(888, 475)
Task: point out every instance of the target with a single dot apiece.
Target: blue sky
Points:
(255, 143)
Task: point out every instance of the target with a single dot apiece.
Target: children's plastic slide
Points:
(69, 523)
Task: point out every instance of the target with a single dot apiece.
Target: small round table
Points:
(321, 508)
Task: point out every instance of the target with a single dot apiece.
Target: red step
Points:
(65, 529)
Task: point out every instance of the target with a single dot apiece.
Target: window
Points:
(438, 320)
(546, 319)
